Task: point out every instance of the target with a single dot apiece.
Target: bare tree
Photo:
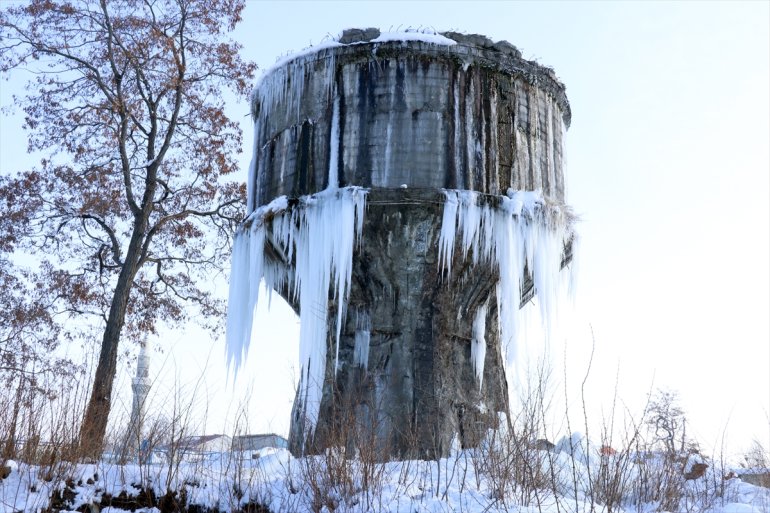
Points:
(129, 205)
(666, 421)
(30, 368)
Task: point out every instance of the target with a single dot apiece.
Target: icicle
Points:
(446, 241)
(479, 343)
(318, 235)
(549, 155)
(458, 156)
(334, 143)
(393, 93)
(247, 271)
(493, 142)
(522, 234)
(574, 267)
(329, 224)
(283, 85)
(470, 139)
(251, 180)
(363, 335)
(509, 248)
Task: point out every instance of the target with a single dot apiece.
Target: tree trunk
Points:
(94, 426)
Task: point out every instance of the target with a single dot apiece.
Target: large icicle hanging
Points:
(316, 238)
(319, 234)
(330, 223)
(248, 269)
(523, 233)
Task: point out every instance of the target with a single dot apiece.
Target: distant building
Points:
(197, 447)
(250, 445)
(206, 443)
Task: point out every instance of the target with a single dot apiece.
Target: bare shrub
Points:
(662, 457)
(610, 478)
(243, 481)
(757, 458)
(515, 461)
(351, 470)
(39, 446)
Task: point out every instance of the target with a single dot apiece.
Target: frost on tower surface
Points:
(406, 196)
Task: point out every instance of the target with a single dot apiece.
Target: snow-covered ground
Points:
(495, 477)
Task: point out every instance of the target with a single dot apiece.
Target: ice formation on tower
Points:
(522, 236)
(319, 235)
(362, 339)
(424, 133)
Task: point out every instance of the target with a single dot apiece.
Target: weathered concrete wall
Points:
(383, 115)
(469, 116)
(418, 388)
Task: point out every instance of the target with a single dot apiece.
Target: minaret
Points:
(140, 385)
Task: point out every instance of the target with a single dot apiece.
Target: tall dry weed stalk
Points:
(350, 472)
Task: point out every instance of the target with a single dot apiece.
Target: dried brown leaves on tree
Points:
(30, 369)
(131, 210)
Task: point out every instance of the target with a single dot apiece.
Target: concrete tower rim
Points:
(500, 56)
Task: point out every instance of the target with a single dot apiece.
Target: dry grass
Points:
(635, 465)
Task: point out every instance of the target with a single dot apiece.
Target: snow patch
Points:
(280, 482)
(425, 37)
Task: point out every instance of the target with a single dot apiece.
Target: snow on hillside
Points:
(494, 477)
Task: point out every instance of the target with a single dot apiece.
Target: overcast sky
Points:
(668, 168)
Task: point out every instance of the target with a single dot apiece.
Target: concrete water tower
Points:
(416, 182)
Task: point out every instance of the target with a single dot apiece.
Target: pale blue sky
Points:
(668, 166)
